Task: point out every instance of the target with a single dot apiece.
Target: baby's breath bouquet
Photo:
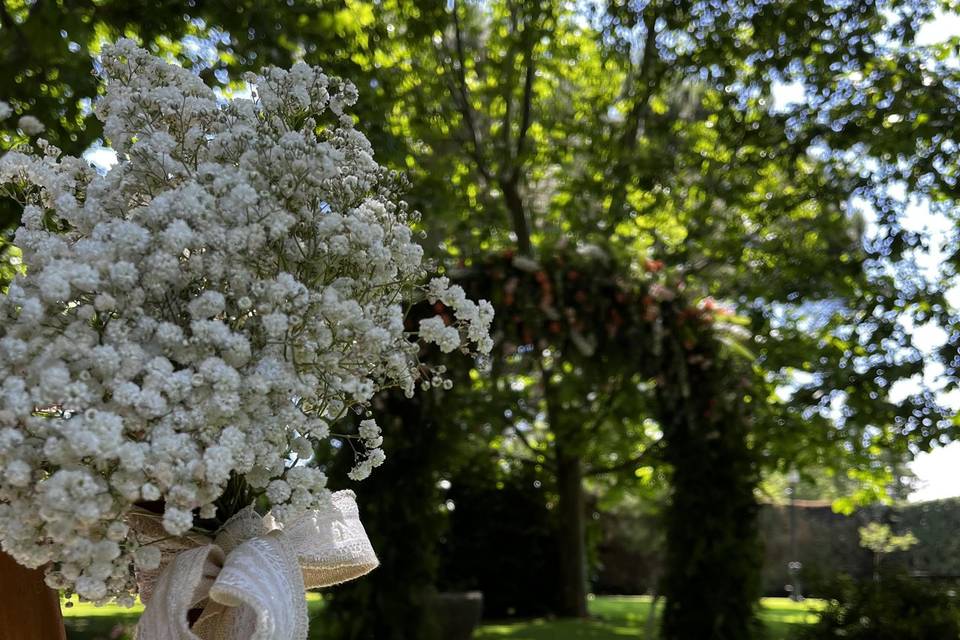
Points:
(191, 324)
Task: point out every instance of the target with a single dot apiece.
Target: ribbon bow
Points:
(249, 581)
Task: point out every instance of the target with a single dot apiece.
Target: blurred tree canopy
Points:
(651, 134)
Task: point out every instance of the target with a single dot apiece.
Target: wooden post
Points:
(29, 610)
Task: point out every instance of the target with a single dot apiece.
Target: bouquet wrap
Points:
(248, 581)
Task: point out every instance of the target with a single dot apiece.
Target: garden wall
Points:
(628, 558)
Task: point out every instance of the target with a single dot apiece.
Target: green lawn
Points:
(624, 616)
(85, 621)
(614, 617)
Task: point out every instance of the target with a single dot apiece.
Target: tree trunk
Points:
(29, 610)
(713, 555)
(518, 216)
(571, 536)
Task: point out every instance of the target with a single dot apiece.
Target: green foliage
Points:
(845, 489)
(49, 49)
(829, 543)
(896, 608)
(10, 264)
(881, 540)
(567, 385)
(500, 540)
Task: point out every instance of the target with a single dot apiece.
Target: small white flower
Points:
(117, 531)
(278, 492)
(177, 521)
(18, 473)
(147, 557)
(150, 492)
(369, 429)
(434, 330)
(30, 125)
(91, 588)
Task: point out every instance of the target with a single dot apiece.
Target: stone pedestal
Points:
(457, 613)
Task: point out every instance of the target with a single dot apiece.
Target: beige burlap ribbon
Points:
(249, 580)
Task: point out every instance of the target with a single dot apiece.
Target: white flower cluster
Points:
(200, 313)
(374, 456)
(472, 319)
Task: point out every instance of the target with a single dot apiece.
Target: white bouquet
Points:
(189, 324)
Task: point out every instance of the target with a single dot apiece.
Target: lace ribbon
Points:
(249, 581)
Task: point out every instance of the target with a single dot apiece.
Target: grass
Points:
(625, 616)
(85, 621)
(781, 615)
(613, 617)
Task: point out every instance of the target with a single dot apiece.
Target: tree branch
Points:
(508, 183)
(518, 215)
(509, 66)
(610, 406)
(529, 445)
(526, 109)
(647, 81)
(466, 109)
(648, 455)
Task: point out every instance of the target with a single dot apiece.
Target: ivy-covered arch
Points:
(609, 346)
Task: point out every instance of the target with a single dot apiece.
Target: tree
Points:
(880, 540)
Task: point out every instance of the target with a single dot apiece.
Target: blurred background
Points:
(721, 240)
